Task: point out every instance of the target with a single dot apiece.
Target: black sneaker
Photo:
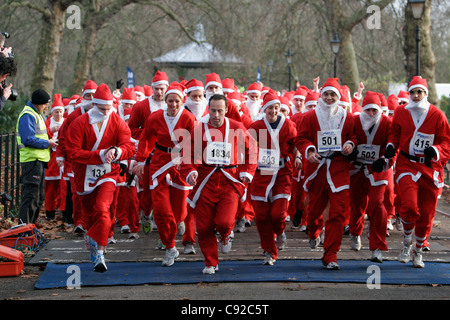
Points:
(297, 218)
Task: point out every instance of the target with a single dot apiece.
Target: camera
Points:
(14, 93)
(5, 35)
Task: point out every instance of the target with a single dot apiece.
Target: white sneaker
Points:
(99, 263)
(133, 235)
(314, 243)
(398, 223)
(210, 270)
(389, 225)
(377, 256)
(268, 260)
(112, 240)
(405, 253)
(333, 266)
(417, 259)
(281, 241)
(240, 225)
(225, 245)
(169, 258)
(189, 248)
(125, 229)
(355, 242)
(181, 228)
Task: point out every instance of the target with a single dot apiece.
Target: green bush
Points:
(10, 113)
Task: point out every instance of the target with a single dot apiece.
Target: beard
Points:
(420, 106)
(327, 111)
(368, 121)
(197, 107)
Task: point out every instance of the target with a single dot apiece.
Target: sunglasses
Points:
(416, 92)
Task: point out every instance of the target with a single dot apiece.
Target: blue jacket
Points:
(27, 131)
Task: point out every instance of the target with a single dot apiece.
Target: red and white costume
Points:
(165, 135)
(271, 185)
(95, 179)
(368, 187)
(220, 156)
(330, 178)
(415, 127)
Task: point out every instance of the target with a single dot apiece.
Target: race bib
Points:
(218, 153)
(268, 159)
(368, 153)
(329, 140)
(421, 141)
(95, 172)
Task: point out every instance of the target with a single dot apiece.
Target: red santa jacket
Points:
(53, 172)
(87, 146)
(280, 140)
(432, 130)
(337, 166)
(159, 132)
(220, 155)
(371, 146)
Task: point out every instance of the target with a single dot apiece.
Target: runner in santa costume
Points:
(165, 131)
(253, 102)
(299, 100)
(195, 98)
(421, 133)
(73, 203)
(218, 164)
(368, 178)
(96, 142)
(138, 117)
(55, 186)
(126, 203)
(271, 185)
(325, 138)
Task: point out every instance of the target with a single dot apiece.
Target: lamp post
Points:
(288, 56)
(417, 7)
(335, 46)
(270, 66)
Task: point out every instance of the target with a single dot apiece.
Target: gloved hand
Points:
(123, 169)
(390, 152)
(119, 84)
(378, 165)
(352, 156)
(429, 152)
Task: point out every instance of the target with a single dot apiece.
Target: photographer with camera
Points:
(8, 67)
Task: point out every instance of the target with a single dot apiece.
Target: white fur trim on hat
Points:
(194, 88)
(157, 83)
(330, 88)
(100, 101)
(213, 82)
(178, 92)
(269, 103)
(372, 106)
(128, 101)
(418, 86)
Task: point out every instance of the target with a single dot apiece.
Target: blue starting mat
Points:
(138, 273)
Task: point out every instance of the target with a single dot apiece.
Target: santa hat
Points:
(284, 104)
(89, 87)
(312, 98)
(73, 99)
(392, 102)
(236, 97)
(57, 102)
(160, 77)
(193, 85)
(345, 99)
(371, 100)
(383, 102)
(300, 93)
(270, 98)
(332, 84)
(403, 96)
(128, 96)
(139, 91)
(213, 79)
(103, 95)
(177, 88)
(418, 82)
(148, 91)
(228, 85)
(255, 87)
(264, 90)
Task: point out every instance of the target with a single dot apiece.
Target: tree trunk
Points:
(427, 59)
(348, 68)
(48, 49)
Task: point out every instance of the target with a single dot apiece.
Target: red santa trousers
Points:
(127, 208)
(55, 195)
(145, 195)
(270, 221)
(189, 223)
(366, 198)
(79, 216)
(215, 210)
(389, 196)
(169, 209)
(98, 212)
(319, 194)
(418, 205)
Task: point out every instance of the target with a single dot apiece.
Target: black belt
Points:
(423, 160)
(167, 149)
